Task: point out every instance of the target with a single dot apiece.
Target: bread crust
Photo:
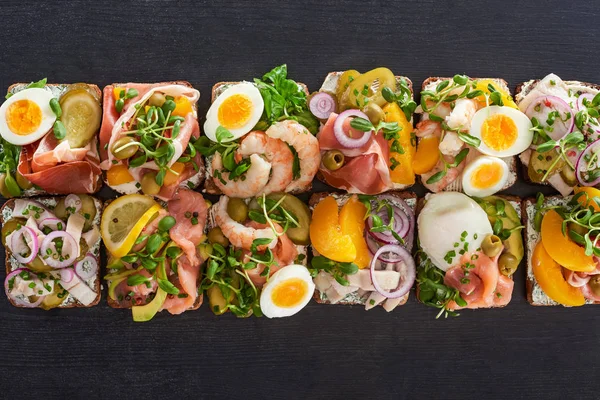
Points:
(315, 198)
(76, 304)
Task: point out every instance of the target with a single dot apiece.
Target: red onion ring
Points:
(322, 104)
(340, 135)
(17, 246)
(84, 273)
(580, 99)
(52, 223)
(547, 105)
(579, 167)
(16, 299)
(68, 244)
(401, 226)
(406, 280)
(73, 201)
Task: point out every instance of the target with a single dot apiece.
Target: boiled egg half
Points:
(449, 223)
(484, 176)
(288, 291)
(503, 131)
(26, 116)
(238, 109)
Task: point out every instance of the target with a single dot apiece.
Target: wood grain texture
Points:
(325, 351)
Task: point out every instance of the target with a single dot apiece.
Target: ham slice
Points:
(51, 152)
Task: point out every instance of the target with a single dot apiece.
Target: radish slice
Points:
(341, 135)
(53, 258)
(406, 267)
(541, 107)
(322, 104)
(14, 298)
(73, 203)
(66, 275)
(587, 163)
(87, 267)
(24, 241)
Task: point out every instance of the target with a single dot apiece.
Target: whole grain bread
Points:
(9, 267)
(456, 186)
(315, 198)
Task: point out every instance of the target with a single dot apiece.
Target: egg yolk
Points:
(289, 293)
(23, 117)
(235, 111)
(486, 175)
(499, 132)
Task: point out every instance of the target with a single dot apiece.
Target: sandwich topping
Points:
(49, 131)
(148, 138)
(53, 251)
(467, 130)
(366, 138)
(469, 250)
(362, 250)
(259, 138)
(256, 254)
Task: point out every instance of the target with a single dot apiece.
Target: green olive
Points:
(149, 185)
(121, 153)
(157, 99)
(374, 112)
(215, 236)
(595, 284)
(3, 189)
(10, 226)
(333, 160)
(568, 175)
(508, 264)
(491, 246)
(237, 209)
(23, 182)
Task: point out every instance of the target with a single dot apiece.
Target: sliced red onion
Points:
(87, 267)
(73, 202)
(544, 105)
(407, 277)
(322, 104)
(52, 223)
(340, 134)
(20, 244)
(582, 96)
(49, 250)
(582, 166)
(406, 215)
(16, 299)
(401, 226)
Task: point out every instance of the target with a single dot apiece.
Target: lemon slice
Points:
(123, 221)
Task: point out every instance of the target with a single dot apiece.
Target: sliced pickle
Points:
(540, 163)
(10, 226)
(81, 115)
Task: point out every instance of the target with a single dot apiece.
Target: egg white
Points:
(473, 166)
(212, 116)
(269, 309)
(442, 221)
(524, 132)
(38, 96)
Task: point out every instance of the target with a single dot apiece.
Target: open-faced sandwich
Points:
(469, 135)
(256, 255)
(362, 248)
(147, 138)
(49, 139)
(259, 137)
(52, 251)
(563, 249)
(154, 260)
(564, 115)
(469, 250)
(366, 138)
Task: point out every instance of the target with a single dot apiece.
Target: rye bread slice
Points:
(342, 197)
(198, 177)
(330, 85)
(10, 263)
(456, 186)
(209, 184)
(517, 204)
(57, 90)
(535, 294)
(115, 304)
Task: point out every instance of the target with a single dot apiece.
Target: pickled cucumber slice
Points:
(81, 116)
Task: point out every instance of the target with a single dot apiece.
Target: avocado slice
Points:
(148, 311)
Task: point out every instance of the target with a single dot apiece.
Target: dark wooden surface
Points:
(325, 351)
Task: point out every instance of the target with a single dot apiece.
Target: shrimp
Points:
(256, 179)
(427, 128)
(451, 175)
(307, 147)
(442, 110)
(461, 115)
(239, 235)
(451, 144)
(276, 152)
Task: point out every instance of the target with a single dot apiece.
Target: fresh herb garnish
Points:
(339, 270)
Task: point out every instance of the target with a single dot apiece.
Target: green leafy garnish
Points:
(339, 270)
(9, 160)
